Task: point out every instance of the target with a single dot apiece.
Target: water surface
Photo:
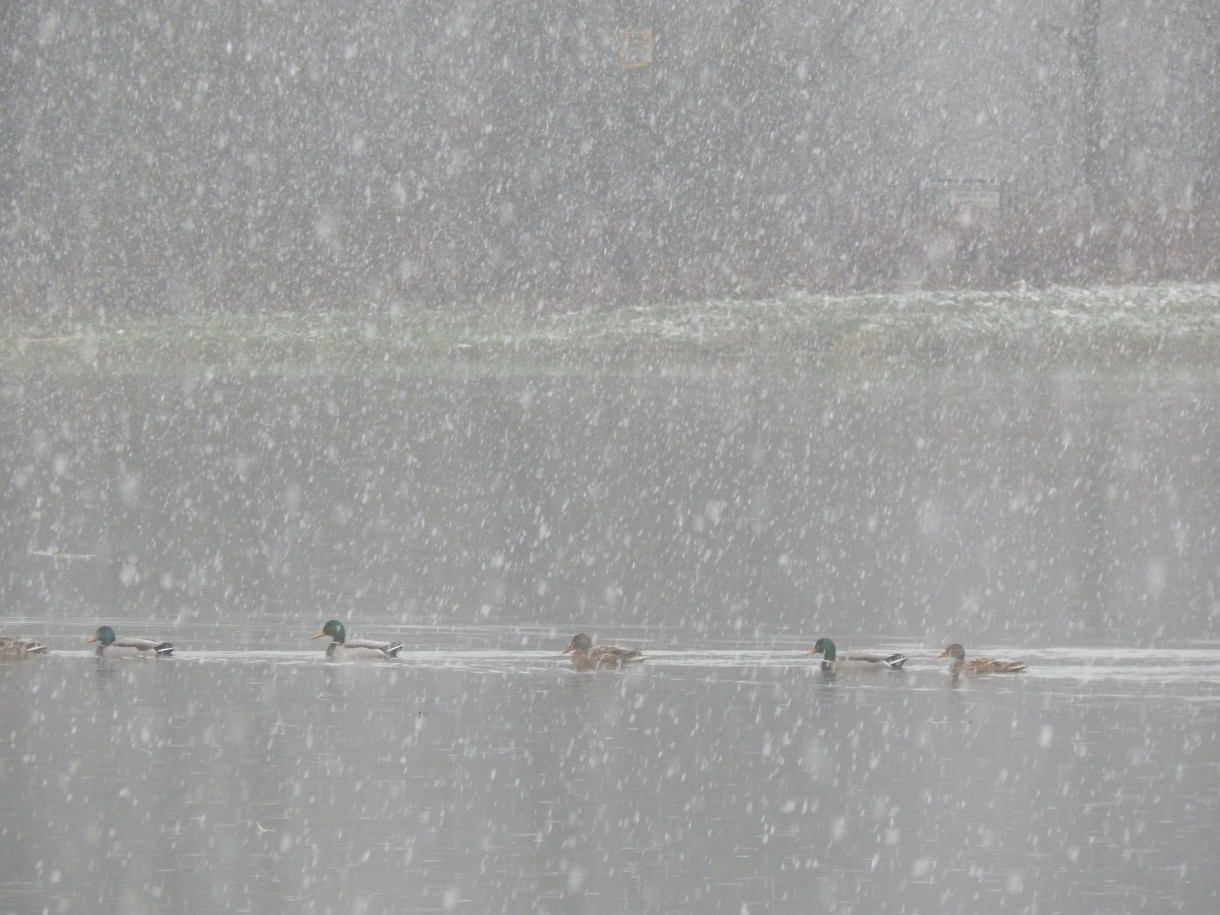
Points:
(980, 507)
(501, 781)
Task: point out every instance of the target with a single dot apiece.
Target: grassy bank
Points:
(1162, 325)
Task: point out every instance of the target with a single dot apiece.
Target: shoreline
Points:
(1162, 326)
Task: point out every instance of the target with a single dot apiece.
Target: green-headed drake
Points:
(109, 646)
(586, 657)
(343, 648)
(15, 648)
(832, 661)
(959, 665)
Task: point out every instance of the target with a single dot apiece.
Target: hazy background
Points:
(235, 155)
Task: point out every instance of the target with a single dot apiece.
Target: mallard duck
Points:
(14, 648)
(352, 649)
(960, 665)
(860, 661)
(586, 657)
(111, 647)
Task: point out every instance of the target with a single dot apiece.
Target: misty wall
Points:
(235, 155)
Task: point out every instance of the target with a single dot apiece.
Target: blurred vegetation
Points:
(239, 157)
(1170, 326)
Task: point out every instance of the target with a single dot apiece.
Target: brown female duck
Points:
(586, 657)
(959, 664)
(15, 648)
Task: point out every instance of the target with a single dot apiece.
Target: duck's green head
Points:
(334, 629)
(824, 647)
(104, 634)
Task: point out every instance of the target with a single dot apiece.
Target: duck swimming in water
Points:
(832, 662)
(16, 648)
(110, 646)
(345, 649)
(959, 665)
(586, 657)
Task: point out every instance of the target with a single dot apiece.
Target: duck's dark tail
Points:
(164, 650)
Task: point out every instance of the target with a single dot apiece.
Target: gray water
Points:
(499, 781)
(721, 522)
